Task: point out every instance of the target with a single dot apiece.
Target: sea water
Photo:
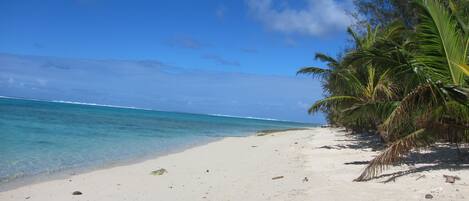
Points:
(41, 138)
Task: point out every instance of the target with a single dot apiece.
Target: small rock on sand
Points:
(428, 196)
(77, 193)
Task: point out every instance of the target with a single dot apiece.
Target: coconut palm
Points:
(409, 84)
(437, 109)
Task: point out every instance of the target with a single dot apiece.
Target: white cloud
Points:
(317, 18)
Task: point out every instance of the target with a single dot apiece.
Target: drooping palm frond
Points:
(394, 152)
(331, 62)
(421, 98)
(317, 72)
(314, 71)
(330, 100)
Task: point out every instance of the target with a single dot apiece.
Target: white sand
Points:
(243, 168)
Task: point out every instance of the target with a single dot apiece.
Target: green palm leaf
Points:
(441, 42)
(330, 100)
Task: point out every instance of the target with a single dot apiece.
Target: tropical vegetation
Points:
(405, 77)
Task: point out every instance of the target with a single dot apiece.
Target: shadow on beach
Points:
(437, 157)
(358, 141)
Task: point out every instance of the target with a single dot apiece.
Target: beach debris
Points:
(267, 132)
(262, 134)
(305, 179)
(451, 179)
(296, 142)
(207, 171)
(27, 197)
(326, 147)
(77, 193)
(277, 177)
(421, 176)
(158, 172)
(254, 146)
(428, 196)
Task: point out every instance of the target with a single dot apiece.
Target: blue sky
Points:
(251, 42)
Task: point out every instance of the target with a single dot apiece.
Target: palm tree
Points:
(359, 94)
(437, 109)
(409, 84)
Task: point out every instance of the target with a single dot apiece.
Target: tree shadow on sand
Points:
(358, 141)
(436, 157)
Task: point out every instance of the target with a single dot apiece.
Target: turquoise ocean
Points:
(44, 138)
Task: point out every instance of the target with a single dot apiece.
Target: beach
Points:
(311, 164)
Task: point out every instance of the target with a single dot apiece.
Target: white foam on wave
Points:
(242, 117)
(97, 104)
(138, 108)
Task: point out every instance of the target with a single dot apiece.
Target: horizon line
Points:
(155, 110)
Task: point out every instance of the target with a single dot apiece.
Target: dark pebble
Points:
(77, 193)
(428, 196)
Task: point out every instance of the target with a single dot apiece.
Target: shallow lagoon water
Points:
(40, 138)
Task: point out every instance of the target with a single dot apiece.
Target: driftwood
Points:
(278, 177)
(451, 179)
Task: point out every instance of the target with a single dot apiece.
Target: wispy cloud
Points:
(185, 42)
(220, 60)
(55, 65)
(317, 18)
(152, 63)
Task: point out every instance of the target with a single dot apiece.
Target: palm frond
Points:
(326, 58)
(355, 36)
(330, 100)
(441, 42)
(394, 152)
(421, 98)
(463, 67)
(314, 71)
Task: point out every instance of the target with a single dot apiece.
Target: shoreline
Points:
(69, 172)
(313, 164)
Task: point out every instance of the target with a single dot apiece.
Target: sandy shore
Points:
(243, 168)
